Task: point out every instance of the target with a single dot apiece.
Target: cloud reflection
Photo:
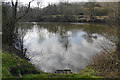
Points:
(50, 54)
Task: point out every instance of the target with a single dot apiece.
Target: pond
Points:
(53, 46)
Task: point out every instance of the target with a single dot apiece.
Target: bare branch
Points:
(16, 4)
(12, 2)
(26, 10)
(105, 50)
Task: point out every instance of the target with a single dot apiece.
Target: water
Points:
(52, 46)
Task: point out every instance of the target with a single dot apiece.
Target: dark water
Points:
(53, 46)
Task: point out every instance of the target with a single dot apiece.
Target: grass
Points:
(53, 75)
(13, 67)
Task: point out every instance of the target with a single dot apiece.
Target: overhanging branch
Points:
(12, 3)
(26, 10)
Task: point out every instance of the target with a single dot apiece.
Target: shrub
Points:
(106, 64)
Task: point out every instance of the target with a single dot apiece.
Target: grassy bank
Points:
(69, 18)
(14, 67)
(86, 73)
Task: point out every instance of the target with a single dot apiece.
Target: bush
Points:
(65, 18)
(106, 64)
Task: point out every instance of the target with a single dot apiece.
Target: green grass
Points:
(19, 66)
(12, 66)
(86, 73)
(53, 75)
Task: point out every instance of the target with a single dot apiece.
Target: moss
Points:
(13, 66)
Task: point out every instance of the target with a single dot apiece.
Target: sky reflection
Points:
(50, 51)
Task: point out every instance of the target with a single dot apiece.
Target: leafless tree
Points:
(14, 20)
(91, 6)
(14, 10)
(39, 3)
(114, 20)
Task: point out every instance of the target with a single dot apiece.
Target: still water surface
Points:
(52, 46)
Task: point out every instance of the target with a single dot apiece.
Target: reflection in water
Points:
(61, 47)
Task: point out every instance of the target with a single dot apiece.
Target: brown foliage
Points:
(106, 65)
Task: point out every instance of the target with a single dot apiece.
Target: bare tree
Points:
(114, 14)
(25, 12)
(114, 20)
(14, 19)
(39, 3)
(91, 6)
(14, 11)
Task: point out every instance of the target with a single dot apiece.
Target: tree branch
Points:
(12, 3)
(16, 4)
(26, 11)
(13, 12)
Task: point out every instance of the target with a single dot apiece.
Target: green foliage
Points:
(12, 66)
(64, 12)
(7, 27)
(57, 18)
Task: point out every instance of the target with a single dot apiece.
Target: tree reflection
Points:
(20, 39)
(61, 31)
(90, 31)
(64, 38)
(89, 37)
